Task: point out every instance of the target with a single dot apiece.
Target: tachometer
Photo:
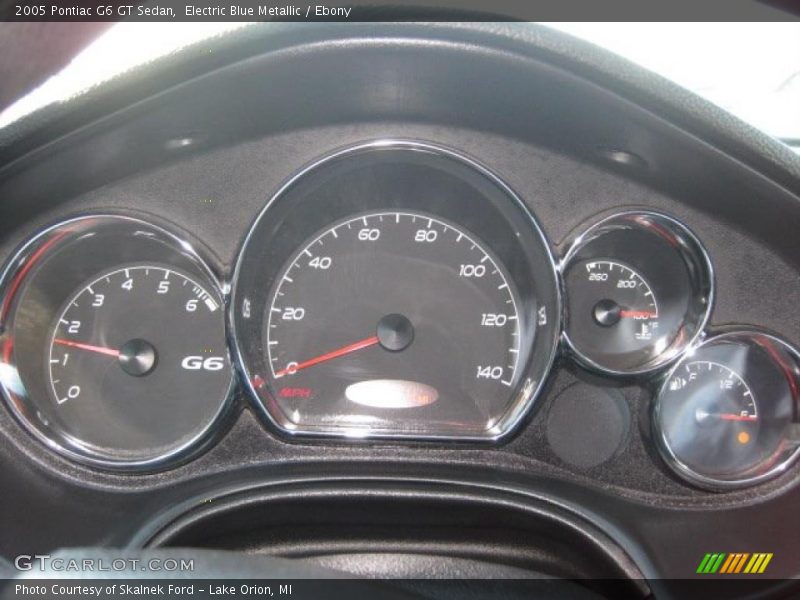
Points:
(396, 290)
(113, 345)
(127, 348)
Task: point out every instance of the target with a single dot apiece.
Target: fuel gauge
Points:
(724, 416)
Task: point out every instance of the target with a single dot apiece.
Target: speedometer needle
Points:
(89, 347)
(350, 348)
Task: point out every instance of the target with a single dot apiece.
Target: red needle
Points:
(645, 314)
(366, 343)
(89, 347)
(734, 417)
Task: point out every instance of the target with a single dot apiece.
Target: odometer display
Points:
(401, 302)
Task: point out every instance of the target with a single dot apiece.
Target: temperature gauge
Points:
(616, 304)
(639, 289)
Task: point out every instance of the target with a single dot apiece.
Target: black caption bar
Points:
(394, 10)
(383, 589)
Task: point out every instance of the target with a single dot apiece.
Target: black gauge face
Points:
(128, 352)
(724, 414)
(639, 289)
(114, 351)
(393, 311)
(614, 310)
(715, 427)
(396, 291)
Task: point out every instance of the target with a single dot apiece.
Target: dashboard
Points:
(449, 271)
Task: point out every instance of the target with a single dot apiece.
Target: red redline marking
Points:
(89, 347)
(354, 347)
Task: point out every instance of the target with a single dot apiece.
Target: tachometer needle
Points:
(350, 348)
(89, 347)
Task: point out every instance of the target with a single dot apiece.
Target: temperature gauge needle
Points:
(350, 348)
(89, 347)
(641, 314)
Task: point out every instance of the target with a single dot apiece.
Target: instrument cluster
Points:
(395, 290)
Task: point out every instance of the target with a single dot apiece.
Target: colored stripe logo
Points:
(734, 563)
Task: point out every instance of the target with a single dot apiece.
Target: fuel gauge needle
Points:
(701, 414)
(89, 347)
(734, 417)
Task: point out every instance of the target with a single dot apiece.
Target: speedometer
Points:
(361, 308)
(396, 290)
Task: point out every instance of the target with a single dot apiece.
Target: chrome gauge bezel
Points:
(690, 475)
(692, 250)
(14, 279)
(523, 399)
